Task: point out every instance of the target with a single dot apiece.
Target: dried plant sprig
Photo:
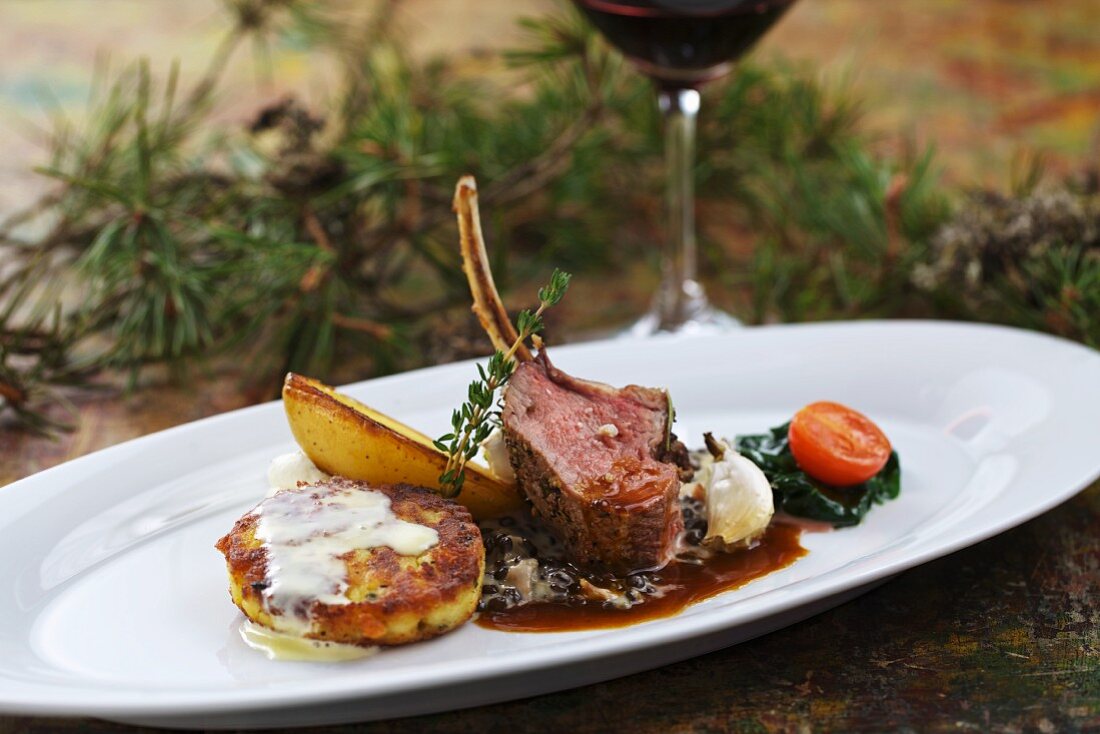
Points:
(1032, 259)
(475, 420)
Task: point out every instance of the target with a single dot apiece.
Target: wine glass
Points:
(680, 45)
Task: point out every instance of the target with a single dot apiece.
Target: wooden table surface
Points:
(1003, 636)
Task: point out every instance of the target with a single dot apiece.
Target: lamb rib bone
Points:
(487, 306)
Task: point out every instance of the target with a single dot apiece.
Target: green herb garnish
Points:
(474, 421)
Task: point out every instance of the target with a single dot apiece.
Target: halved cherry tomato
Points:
(837, 445)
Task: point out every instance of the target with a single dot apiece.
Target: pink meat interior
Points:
(569, 421)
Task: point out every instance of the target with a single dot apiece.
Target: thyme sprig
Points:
(474, 421)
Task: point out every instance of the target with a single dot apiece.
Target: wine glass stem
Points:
(680, 297)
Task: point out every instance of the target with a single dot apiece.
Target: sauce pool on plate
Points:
(683, 583)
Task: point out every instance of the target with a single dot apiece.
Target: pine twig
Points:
(358, 323)
(535, 174)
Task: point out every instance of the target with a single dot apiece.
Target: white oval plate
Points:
(114, 601)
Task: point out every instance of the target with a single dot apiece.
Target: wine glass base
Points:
(682, 308)
(705, 320)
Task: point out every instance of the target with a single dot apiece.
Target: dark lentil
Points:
(511, 540)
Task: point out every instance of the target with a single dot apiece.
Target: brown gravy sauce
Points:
(686, 583)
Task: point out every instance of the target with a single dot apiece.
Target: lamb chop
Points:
(599, 464)
(591, 459)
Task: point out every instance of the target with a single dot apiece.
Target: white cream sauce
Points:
(286, 470)
(281, 646)
(496, 456)
(307, 530)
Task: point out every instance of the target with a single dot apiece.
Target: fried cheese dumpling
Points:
(344, 561)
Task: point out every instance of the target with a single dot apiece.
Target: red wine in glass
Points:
(681, 44)
(683, 41)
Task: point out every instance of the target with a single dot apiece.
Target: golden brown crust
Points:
(395, 599)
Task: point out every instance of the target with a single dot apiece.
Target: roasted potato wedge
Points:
(348, 439)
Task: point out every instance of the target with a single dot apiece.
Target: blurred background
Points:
(984, 79)
(189, 187)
